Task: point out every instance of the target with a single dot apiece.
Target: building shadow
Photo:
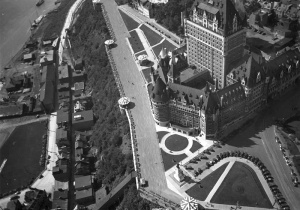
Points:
(131, 105)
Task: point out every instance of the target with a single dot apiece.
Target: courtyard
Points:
(21, 153)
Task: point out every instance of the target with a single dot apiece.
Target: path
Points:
(133, 85)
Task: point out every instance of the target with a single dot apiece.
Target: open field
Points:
(171, 160)
(22, 151)
(164, 44)
(176, 142)
(241, 184)
(207, 184)
(153, 38)
(135, 42)
(129, 22)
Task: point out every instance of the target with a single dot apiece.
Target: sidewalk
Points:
(47, 182)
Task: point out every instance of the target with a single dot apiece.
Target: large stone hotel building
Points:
(218, 84)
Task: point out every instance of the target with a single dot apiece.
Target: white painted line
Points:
(2, 165)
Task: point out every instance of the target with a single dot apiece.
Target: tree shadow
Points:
(131, 105)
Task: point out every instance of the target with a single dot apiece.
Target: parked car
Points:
(270, 179)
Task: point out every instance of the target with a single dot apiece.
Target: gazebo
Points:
(143, 59)
(189, 203)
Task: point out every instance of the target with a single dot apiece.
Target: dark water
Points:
(15, 19)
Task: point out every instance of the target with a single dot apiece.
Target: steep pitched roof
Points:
(225, 12)
(159, 91)
(246, 69)
(187, 94)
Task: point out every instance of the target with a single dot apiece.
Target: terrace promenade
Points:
(132, 85)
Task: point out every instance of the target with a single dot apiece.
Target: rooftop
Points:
(83, 182)
(84, 193)
(60, 199)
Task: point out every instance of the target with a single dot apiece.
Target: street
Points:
(259, 140)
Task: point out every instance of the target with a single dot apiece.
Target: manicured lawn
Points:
(241, 184)
(164, 44)
(161, 134)
(22, 151)
(153, 37)
(207, 184)
(176, 142)
(168, 159)
(195, 146)
(129, 22)
(146, 73)
(135, 42)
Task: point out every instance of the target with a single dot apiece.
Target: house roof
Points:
(79, 86)
(63, 71)
(61, 134)
(60, 200)
(47, 92)
(225, 12)
(80, 194)
(48, 56)
(48, 73)
(83, 182)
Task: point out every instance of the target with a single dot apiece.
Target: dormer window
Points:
(297, 64)
(204, 19)
(281, 74)
(289, 68)
(258, 78)
(234, 23)
(231, 75)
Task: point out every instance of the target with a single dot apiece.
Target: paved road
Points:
(259, 140)
(148, 150)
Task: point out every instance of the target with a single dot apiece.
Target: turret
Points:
(159, 97)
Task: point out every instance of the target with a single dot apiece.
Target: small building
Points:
(83, 182)
(60, 200)
(82, 121)
(12, 110)
(48, 74)
(79, 86)
(78, 64)
(61, 171)
(82, 167)
(63, 73)
(63, 87)
(36, 200)
(85, 197)
(62, 138)
(47, 57)
(14, 205)
(47, 97)
(28, 57)
(63, 95)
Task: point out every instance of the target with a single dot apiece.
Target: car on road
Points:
(282, 202)
(270, 179)
(273, 186)
(285, 206)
